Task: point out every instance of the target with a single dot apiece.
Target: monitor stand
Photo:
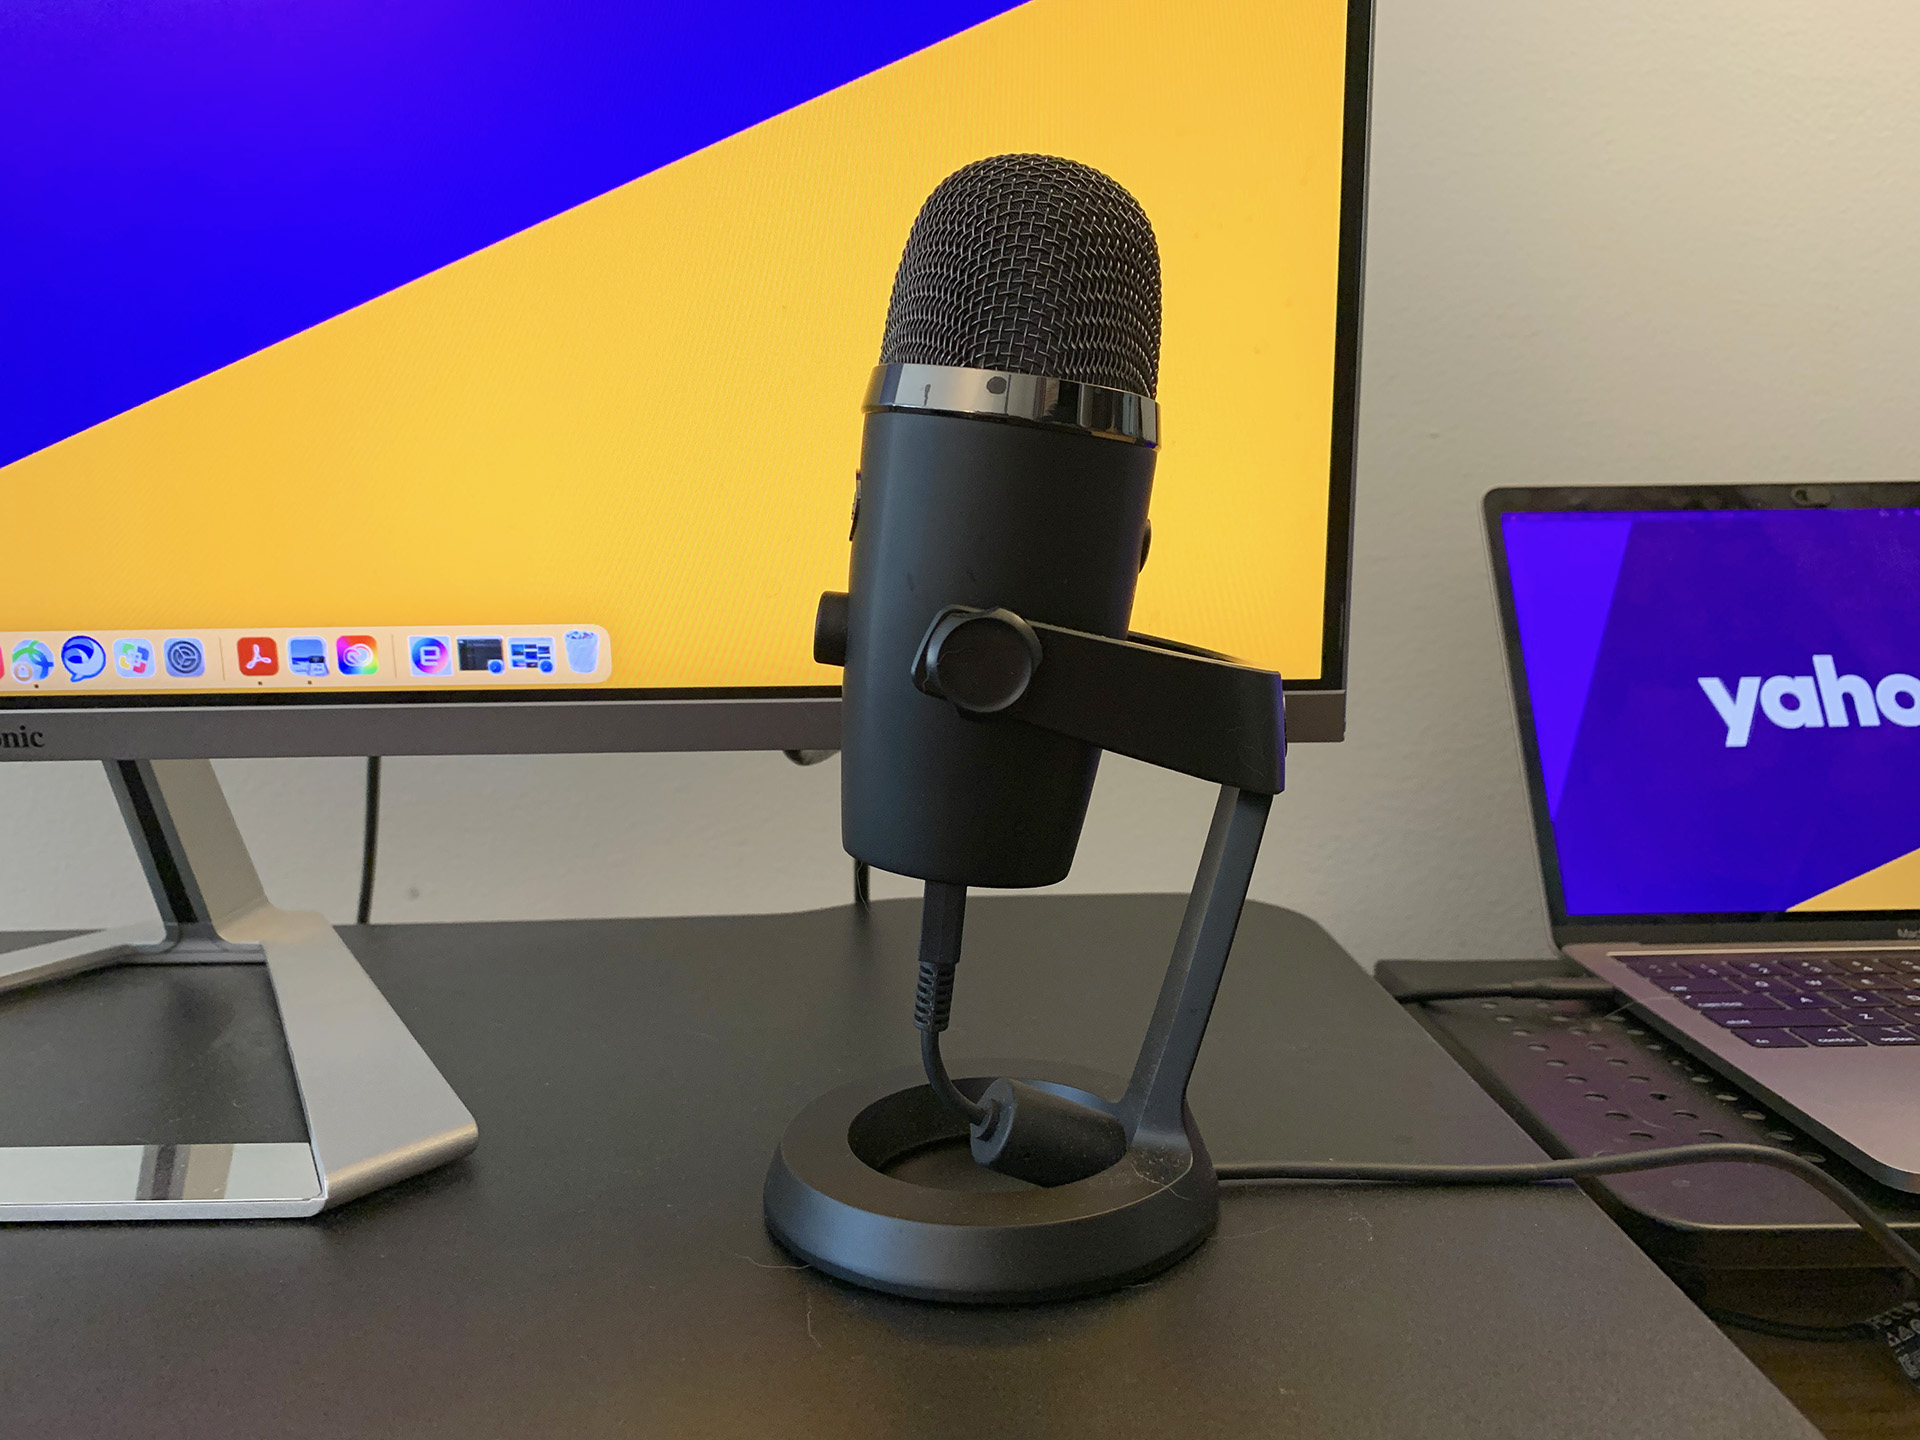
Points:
(376, 1109)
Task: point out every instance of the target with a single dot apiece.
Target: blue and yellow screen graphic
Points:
(426, 344)
(1725, 705)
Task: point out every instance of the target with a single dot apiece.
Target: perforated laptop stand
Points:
(1585, 1078)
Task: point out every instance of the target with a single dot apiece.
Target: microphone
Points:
(1006, 468)
(1000, 520)
(1007, 462)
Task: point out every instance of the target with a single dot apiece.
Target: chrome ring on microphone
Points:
(1037, 399)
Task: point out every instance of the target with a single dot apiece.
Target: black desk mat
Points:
(1588, 1078)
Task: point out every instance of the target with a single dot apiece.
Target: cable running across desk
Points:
(1538, 1172)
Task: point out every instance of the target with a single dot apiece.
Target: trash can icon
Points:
(583, 651)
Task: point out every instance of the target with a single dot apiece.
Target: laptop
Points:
(1718, 691)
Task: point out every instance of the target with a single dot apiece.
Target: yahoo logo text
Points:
(1824, 699)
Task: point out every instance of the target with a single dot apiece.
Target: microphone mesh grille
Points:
(1033, 265)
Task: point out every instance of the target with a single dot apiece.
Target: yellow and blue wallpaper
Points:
(425, 322)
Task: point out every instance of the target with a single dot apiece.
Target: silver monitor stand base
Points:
(376, 1109)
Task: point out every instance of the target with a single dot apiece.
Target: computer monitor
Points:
(435, 377)
(450, 378)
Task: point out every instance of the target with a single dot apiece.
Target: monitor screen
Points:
(1722, 707)
(381, 351)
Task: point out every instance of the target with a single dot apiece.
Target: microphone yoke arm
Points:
(1170, 705)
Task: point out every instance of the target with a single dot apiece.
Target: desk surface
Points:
(598, 1267)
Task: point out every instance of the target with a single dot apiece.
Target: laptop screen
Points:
(1722, 706)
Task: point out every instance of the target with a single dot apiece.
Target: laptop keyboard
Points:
(1781, 1001)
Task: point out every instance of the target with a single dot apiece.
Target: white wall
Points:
(1645, 240)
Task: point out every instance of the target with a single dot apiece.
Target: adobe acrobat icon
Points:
(259, 655)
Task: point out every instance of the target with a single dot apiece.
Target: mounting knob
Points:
(981, 661)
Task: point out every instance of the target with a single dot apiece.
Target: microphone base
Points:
(874, 1183)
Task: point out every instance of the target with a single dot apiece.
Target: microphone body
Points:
(1007, 462)
(969, 510)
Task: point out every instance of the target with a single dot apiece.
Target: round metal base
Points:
(874, 1183)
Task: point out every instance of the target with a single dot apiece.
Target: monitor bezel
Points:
(1691, 927)
(405, 722)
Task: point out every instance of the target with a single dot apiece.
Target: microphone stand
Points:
(1088, 1219)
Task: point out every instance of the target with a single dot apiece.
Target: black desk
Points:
(598, 1266)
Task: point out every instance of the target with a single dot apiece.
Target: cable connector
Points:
(943, 915)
